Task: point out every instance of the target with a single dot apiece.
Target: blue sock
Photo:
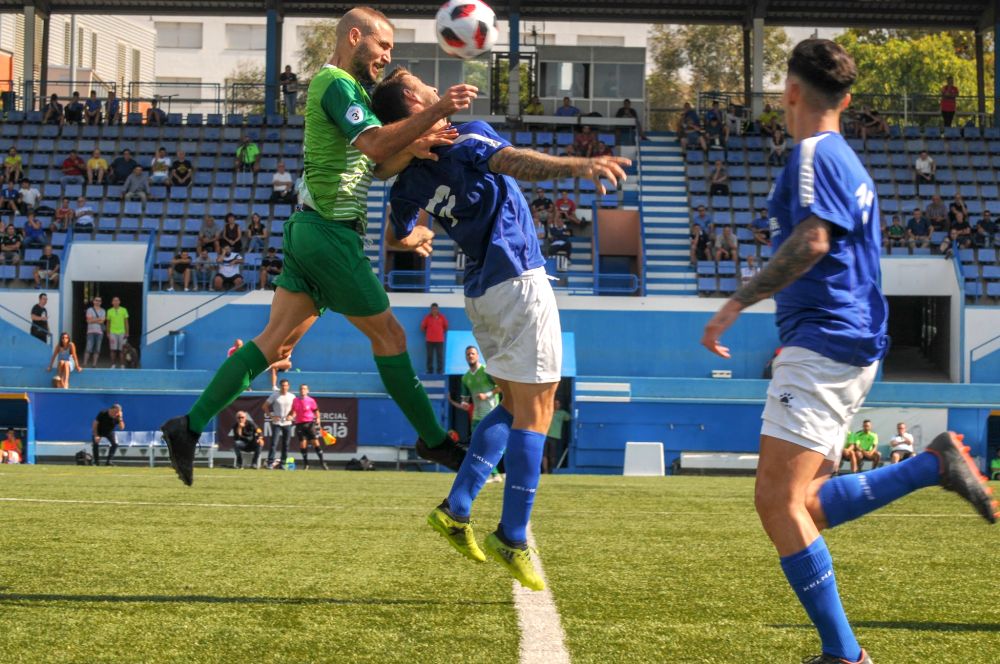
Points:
(847, 497)
(810, 573)
(485, 449)
(524, 467)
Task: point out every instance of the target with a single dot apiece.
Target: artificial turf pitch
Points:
(255, 566)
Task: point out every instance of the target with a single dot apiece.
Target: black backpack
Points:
(83, 458)
(364, 463)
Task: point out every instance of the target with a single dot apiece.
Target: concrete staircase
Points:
(665, 217)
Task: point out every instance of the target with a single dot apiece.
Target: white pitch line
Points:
(543, 640)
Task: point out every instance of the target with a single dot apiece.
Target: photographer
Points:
(247, 437)
(104, 427)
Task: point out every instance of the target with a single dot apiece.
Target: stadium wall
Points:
(982, 344)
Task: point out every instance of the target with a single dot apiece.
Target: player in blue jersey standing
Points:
(825, 279)
(470, 189)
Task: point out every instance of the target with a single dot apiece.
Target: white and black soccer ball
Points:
(466, 28)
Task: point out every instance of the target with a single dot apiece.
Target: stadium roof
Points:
(940, 14)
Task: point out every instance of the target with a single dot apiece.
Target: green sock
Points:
(406, 390)
(230, 381)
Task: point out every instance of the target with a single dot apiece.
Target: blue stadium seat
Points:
(134, 119)
(993, 288)
(728, 285)
(727, 268)
(991, 272)
(986, 256)
(973, 289)
(194, 119)
(213, 119)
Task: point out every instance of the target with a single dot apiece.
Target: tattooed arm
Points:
(805, 247)
(535, 166)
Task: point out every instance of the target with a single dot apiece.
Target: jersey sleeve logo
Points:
(355, 114)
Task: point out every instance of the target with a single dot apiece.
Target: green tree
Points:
(245, 87)
(318, 41)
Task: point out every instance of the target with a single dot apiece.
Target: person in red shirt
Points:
(566, 208)
(305, 410)
(11, 448)
(434, 326)
(949, 93)
(73, 168)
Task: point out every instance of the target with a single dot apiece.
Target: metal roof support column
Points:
(747, 68)
(514, 78)
(43, 69)
(29, 57)
(272, 57)
(758, 66)
(980, 80)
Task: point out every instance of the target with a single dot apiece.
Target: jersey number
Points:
(865, 198)
(442, 204)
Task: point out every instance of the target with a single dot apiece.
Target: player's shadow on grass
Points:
(912, 625)
(12, 598)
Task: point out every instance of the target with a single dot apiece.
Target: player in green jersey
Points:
(325, 265)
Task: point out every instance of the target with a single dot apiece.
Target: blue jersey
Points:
(484, 212)
(835, 309)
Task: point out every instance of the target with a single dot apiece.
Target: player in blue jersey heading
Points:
(825, 279)
(470, 189)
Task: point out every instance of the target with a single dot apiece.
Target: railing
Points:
(177, 97)
(63, 89)
(48, 335)
(194, 310)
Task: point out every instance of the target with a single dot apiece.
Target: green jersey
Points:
(336, 174)
(866, 441)
(558, 417)
(476, 382)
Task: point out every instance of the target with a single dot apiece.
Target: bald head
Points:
(364, 44)
(364, 19)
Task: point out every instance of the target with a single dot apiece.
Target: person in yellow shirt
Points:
(534, 107)
(11, 450)
(97, 168)
(12, 166)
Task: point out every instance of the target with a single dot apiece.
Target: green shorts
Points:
(326, 259)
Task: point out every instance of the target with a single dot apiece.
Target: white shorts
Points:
(811, 400)
(516, 324)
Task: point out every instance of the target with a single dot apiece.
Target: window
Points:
(600, 40)
(180, 89)
(120, 64)
(404, 36)
(538, 39)
(422, 68)
(615, 81)
(246, 37)
(79, 47)
(67, 38)
(93, 50)
(136, 64)
(565, 79)
(178, 35)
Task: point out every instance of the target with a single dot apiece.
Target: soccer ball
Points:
(466, 28)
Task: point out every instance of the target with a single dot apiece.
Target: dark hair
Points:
(825, 66)
(472, 347)
(388, 98)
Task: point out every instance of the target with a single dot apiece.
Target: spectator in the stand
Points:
(957, 206)
(949, 97)
(64, 360)
(270, 267)
(923, 170)
(208, 235)
(104, 427)
(937, 213)
(10, 246)
(97, 168)
(567, 110)
(434, 326)
(626, 111)
(749, 269)
(255, 236)
(97, 320)
(584, 143)
(122, 167)
(13, 166)
(949, 244)
(718, 181)
(703, 219)
(40, 319)
(691, 131)
(28, 196)
(74, 110)
(53, 114)
(726, 245)
(282, 186)
(603, 150)
(231, 234)
(776, 146)
(761, 228)
(981, 237)
(699, 245)
(181, 171)
(92, 109)
(63, 217)
(866, 441)
(113, 109)
(918, 230)
(768, 121)
(228, 276)
(534, 107)
(559, 238)
(73, 169)
(11, 449)
(118, 328)
(159, 167)
(289, 89)
(963, 235)
(9, 195)
(734, 121)
(136, 186)
(986, 228)
(871, 124)
(689, 116)
(901, 445)
(553, 449)
(895, 235)
(83, 216)
(155, 116)
(279, 406)
(180, 266)
(995, 466)
(566, 208)
(247, 156)
(204, 267)
(34, 234)
(714, 113)
(541, 207)
(716, 134)
(247, 437)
